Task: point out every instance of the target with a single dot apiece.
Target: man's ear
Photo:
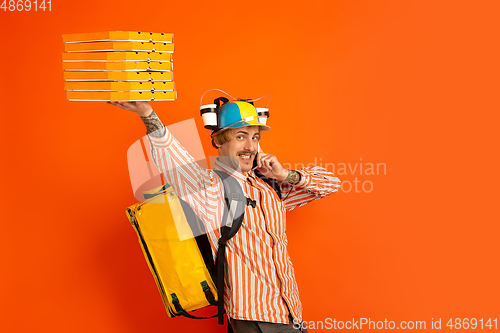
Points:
(215, 144)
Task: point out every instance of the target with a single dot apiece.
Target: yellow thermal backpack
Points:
(182, 265)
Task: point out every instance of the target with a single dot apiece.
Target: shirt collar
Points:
(233, 172)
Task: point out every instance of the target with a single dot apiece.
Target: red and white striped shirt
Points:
(260, 280)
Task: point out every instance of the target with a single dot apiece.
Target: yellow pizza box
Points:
(118, 76)
(116, 56)
(119, 86)
(119, 46)
(135, 36)
(121, 96)
(118, 66)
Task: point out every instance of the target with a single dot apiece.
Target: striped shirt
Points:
(259, 277)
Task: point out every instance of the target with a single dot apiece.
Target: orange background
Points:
(413, 85)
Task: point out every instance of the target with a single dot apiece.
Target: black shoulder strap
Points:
(235, 203)
(231, 222)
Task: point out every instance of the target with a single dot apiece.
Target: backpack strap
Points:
(181, 312)
(231, 222)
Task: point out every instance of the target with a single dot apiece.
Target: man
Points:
(260, 293)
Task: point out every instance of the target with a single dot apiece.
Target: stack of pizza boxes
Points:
(118, 66)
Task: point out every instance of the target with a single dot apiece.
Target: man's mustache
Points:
(247, 152)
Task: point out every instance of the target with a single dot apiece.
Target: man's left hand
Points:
(270, 167)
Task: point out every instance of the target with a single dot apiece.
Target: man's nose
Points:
(249, 145)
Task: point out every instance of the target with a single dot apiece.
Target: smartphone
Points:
(255, 159)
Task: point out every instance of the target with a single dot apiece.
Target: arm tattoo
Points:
(293, 177)
(154, 125)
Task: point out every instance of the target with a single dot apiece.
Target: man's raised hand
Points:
(142, 108)
(154, 126)
(270, 167)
